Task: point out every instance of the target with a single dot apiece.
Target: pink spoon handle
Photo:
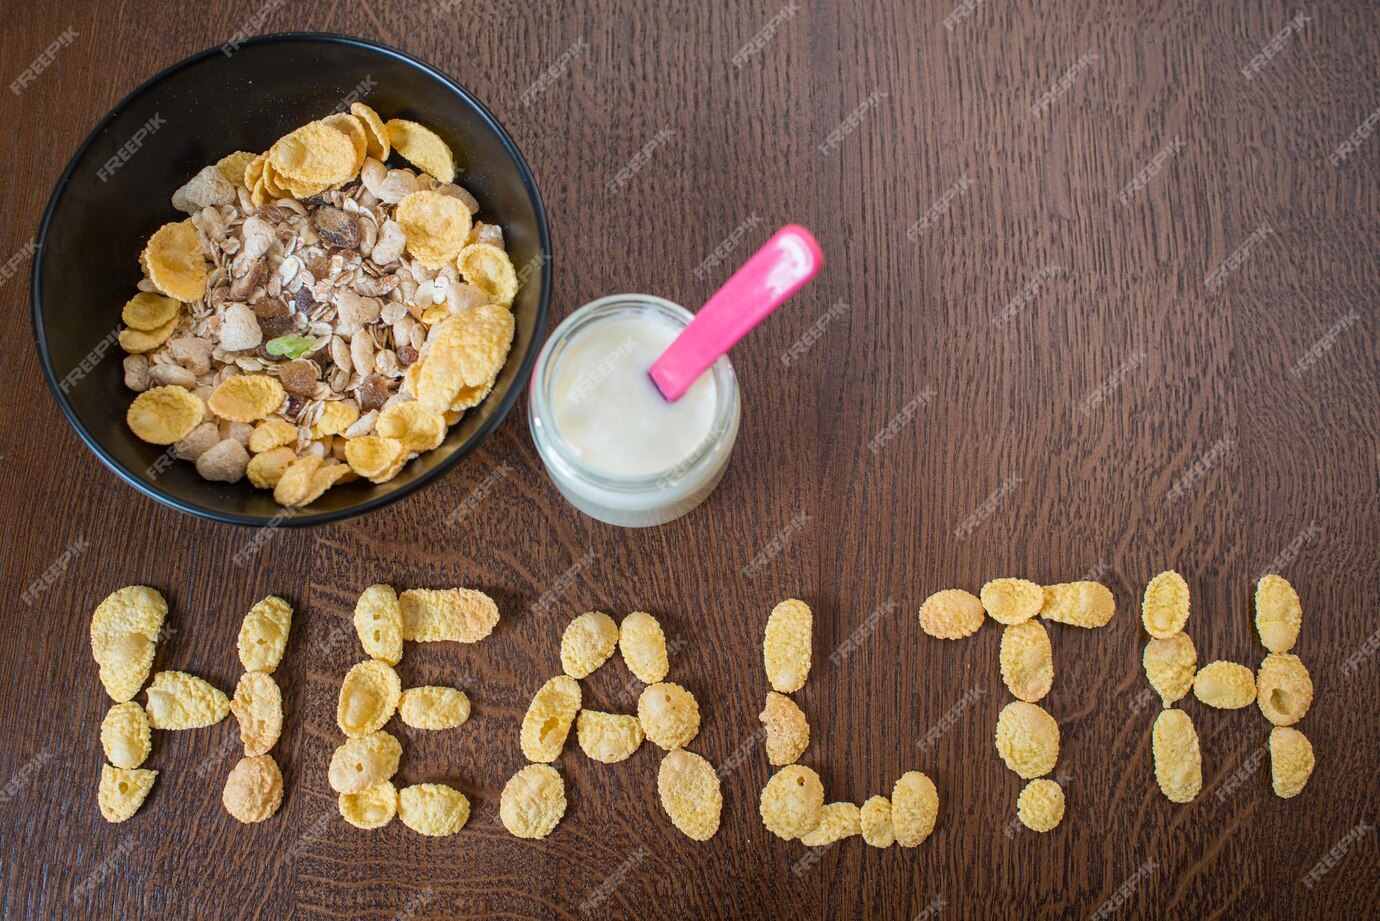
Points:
(776, 271)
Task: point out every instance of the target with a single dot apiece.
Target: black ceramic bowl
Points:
(115, 193)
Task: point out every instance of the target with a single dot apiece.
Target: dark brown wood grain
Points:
(1028, 228)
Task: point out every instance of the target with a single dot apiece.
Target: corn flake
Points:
(1178, 759)
(587, 643)
(126, 735)
(643, 646)
(669, 715)
(378, 621)
(874, 820)
(421, 147)
(266, 469)
(368, 698)
(914, 808)
(306, 479)
(376, 135)
(371, 808)
(1170, 665)
(1285, 688)
(466, 350)
(177, 700)
(1164, 609)
(1040, 807)
(273, 433)
(792, 802)
(788, 731)
(163, 415)
(359, 764)
(787, 645)
(248, 397)
(258, 708)
(123, 791)
(1027, 660)
(418, 428)
(1012, 601)
(490, 270)
(350, 126)
(951, 614)
(689, 790)
(233, 166)
(1079, 604)
(375, 458)
(148, 311)
(175, 262)
(533, 801)
(547, 720)
(336, 417)
(433, 809)
(837, 821)
(124, 630)
(254, 790)
(1225, 685)
(138, 341)
(608, 737)
(1027, 739)
(433, 707)
(1278, 613)
(1291, 761)
(315, 153)
(264, 635)
(461, 615)
(436, 227)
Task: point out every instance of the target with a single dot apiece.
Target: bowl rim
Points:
(286, 518)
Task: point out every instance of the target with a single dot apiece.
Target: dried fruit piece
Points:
(533, 801)
(1012, 601)
(587, 643)
(914, 808)
(1040, 806)
(951, 614)
(608, 737)
(1278, 613)
(378, 621)
(1164, 609)
(270, 434)
(1178, 760)
(314, 154)
(433, 809)
(375, 134)
(669, 715)
(1284, 687)
(788, 732)
(254, 790)
(836, 822)
(123, 791)
(371, 808)
(1225, 685)
(787, 645)
(177, 700)
(547, 720)
(421, 147)
(1027, 739)
(258, 708)
(436, 227)
(375, 458)
(266, 469)
(368, 698)
(1170, 665)
(162, 415)
(875, 820)
(466, 350)
(359, 764)
(1291, 761)
(1079, 604)
(175, 263)
(247, 397)
(124, 629)
(792, 802)
(461, 615)
(489, 269)
(418, 428)
(433, 707)
(689, 789)
(126, 735)
(264, 635)
(148, 311)
(643, 645)
(1027, 660)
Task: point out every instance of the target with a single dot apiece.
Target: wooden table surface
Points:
(1099, 298)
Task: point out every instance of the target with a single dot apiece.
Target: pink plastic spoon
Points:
(776, 271)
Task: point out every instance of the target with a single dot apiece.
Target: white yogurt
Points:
(615, 447)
